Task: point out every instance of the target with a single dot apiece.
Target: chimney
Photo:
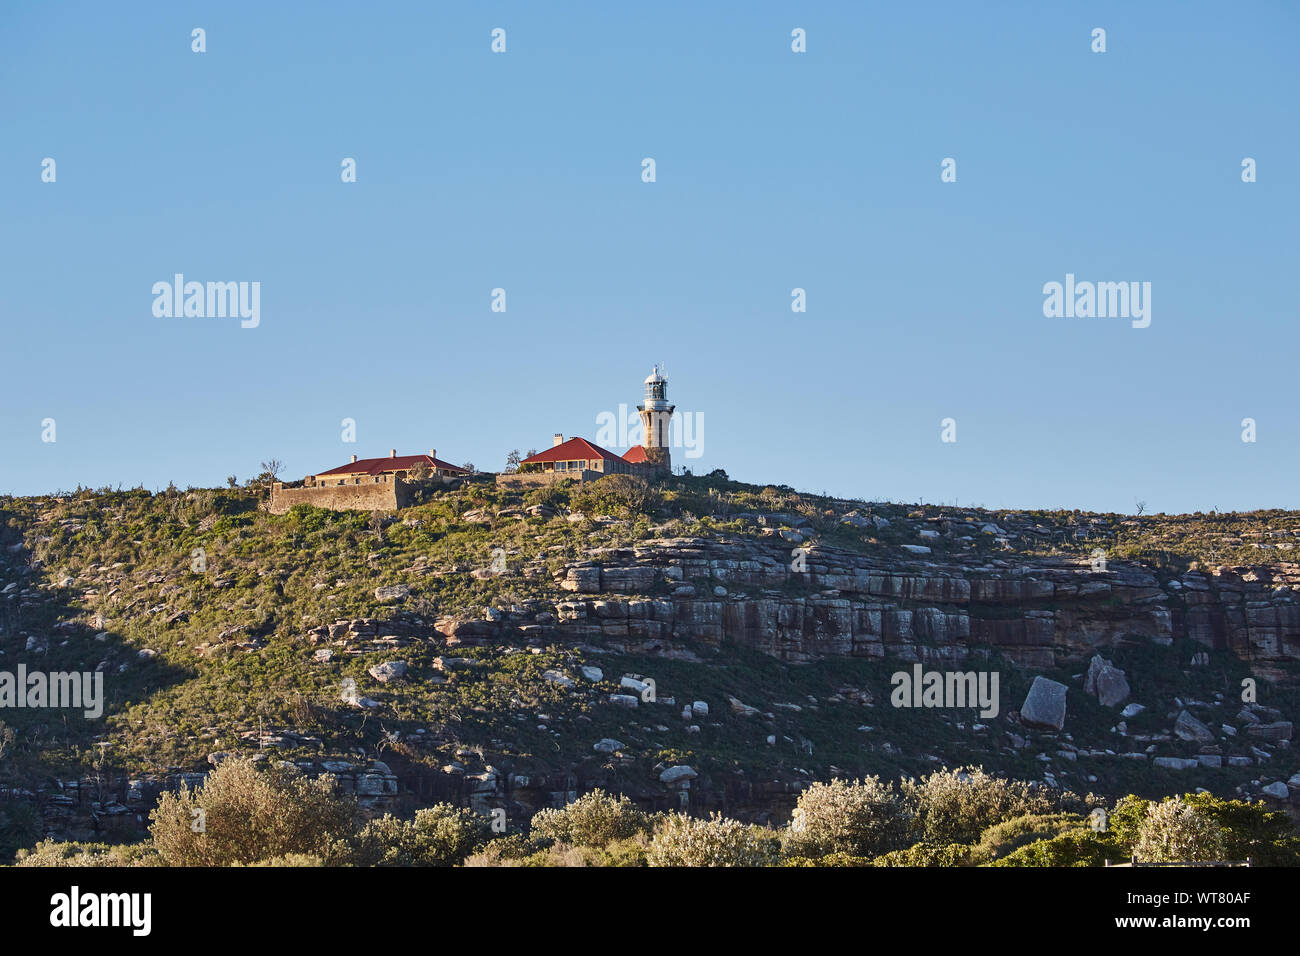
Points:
(354, 459)
(433, 453)
(392, 453)
(557, 440)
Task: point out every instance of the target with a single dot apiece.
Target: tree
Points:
(1177, 832)
(441, 835)
(594, 819)
(629, 495)
(956, 806)
(512, 462)
(232, 481)
(687, 841)
(469, 466)
(1268, 837)
(270, 473)
(863, 818)
(1140, 505)
(242, 815)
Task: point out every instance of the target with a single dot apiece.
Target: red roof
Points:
(380, 466)
(575, 449)
(635, 455)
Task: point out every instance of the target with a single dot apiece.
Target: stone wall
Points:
(372, 494)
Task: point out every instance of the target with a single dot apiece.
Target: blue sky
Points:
(774, 170)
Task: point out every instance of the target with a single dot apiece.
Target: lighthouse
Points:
(656, 414)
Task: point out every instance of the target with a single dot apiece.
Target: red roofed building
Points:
(393, 464)
(573, 458)
(371, 484)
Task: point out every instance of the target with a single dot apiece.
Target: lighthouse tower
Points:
(656, 414)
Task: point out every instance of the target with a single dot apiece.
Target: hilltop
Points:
(693, 642)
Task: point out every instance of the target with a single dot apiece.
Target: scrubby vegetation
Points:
(271, 816)
(863, 818)
(242, 814)
(198, 605)
(593, 820)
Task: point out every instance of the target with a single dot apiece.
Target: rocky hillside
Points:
(702, 644)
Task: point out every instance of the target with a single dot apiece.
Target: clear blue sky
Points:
(775, 170)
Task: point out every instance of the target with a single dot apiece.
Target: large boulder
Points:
(741, 708)
(1106, 682)
(1277, 730)
(1044, 705)
(1187, 727)
(388, 670)
(677, 775)
(392, 593)
(637, 685)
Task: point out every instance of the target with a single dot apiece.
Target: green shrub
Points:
(1074, 848)
(249, 815)
(441, 835)
(511, 850)
(594, 819)
(1125, 821)
(686, 841)
(1177, 832)
(1267, 837)
(926, 854)
(630, 851)
(1006, 837)
(562, 856)
(863, 818)
(624, 495)
(956, 806)
(52, 853)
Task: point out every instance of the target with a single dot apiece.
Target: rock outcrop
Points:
(663, 596)
(1106, 682)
